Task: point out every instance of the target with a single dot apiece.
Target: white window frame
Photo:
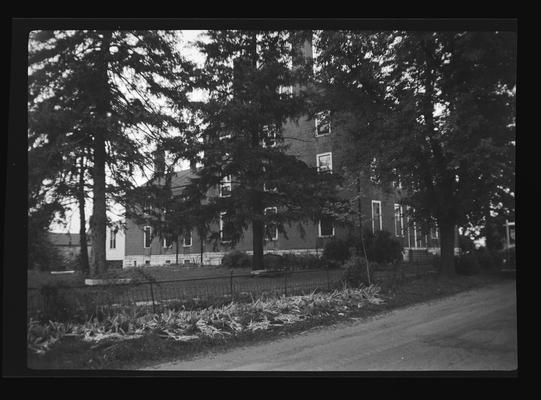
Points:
(271, 190)
(319, 230)
(288, 89)
(318, 156)
(434, 232)
(112, 238)
(400, 220)
(380, 215)
(184, 241)
(222, 228)
(165, 243)
(275, 237)
(145, 236)
(316, 121)
(273, 141)
(226, 181)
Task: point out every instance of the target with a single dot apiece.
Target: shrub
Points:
(273, 262)
(382, 247)
(302, 261)
(336, 250)
(488, 259)
(355, 274)
(467, 264)
(237, 259)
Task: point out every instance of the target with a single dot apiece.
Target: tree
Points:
(122, 91)
(245, 169)
(433, 109)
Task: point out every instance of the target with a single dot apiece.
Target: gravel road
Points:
(474, 330)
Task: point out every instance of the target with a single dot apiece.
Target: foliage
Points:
(92, 97)
(465, 243)
(242, 138)
(213, 322)
(489, 259)
(467, 264)
(42, 255)
(237, 259)
(356, 273)
(337, 250)
(382, 247)
(435, 110)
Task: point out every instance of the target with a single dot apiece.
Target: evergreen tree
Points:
(245, 170)
(434, 110)
(107, 95)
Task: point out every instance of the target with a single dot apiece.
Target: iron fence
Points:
(69, 301)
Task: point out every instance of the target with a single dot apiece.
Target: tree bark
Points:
(85, 269)
(258, 236)
(99, 202)
(447, 246)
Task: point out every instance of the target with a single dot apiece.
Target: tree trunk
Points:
(99, 203)
(85, 269)
(201, 245)
(258, 230)
(447, 249)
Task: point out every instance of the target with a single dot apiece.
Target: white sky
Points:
(72, 215)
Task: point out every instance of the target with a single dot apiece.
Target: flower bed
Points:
(184, 325)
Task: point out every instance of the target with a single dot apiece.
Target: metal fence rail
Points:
(86, 300)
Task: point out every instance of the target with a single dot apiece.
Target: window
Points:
(269, 136)
(271, 229)
(398, 220)
(225, 228)
(146, 236)
(168, 261)
(186, 261)
(326, 227)
(166, 242)
(225, 187)
(323, 123)
(112, 238)
(376, 216)
(187, 239)
(287, 89)
(269, 188)
(373, 171)
(147, 262)
(434, 232)
(324, 162)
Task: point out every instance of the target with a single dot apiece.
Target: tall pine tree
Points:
(122, 90)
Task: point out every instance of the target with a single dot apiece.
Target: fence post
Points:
(152, 296)
(285, 283)
(328, 280)
(231, 284)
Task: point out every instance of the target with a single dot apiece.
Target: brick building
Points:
(319, 144)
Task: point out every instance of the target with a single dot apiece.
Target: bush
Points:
(336, 250)
(467, 264)
(273, 262)
(489, 259)
(237, 259)
(355, 274)
(382, 247)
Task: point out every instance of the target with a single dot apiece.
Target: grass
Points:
(70, 353)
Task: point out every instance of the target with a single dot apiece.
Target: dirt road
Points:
(475, 330)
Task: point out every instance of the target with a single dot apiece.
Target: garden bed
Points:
(173, 335)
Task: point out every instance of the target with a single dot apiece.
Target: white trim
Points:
(316, 123)
(275, 237)
(222, 228)
(144, 236)
(398, 232)
(226, 181)
(321, 155)
(112, 238)
(380, 215)
(184, 241)
(165, 243)
(319, 230)
(272, 139)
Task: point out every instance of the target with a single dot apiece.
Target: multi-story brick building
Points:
(319, 144)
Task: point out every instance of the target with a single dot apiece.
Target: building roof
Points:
(64, 239)
(180, 179)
